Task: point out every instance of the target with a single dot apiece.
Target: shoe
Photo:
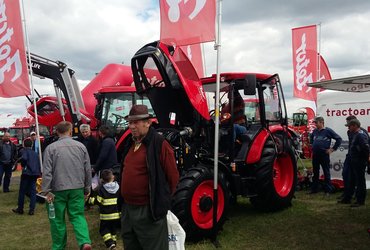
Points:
(344, 201)
(31, 212)
(17, 211)
(113, 247)
(86, 247)
(6, 191)
(358, 204)
(326, 194)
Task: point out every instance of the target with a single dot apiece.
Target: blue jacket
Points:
(359, 147)
(30, 162)
(107, 155)
(321, 140)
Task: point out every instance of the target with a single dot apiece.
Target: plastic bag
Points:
(95, 182)
(176, 234)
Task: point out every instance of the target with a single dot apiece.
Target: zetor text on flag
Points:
(185, 22)
(14, 79)
(305, 61)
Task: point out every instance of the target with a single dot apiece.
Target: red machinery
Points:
(260, 166)
(303, 125)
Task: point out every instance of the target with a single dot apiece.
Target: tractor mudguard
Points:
(255, 151)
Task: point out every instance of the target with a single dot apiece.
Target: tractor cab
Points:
(114, 103)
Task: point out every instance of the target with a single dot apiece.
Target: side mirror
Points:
(250, 85)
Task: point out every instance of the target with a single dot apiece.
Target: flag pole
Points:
(319, 55)
(31, 82)
(217, 123)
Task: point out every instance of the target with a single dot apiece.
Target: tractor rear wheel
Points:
(276, 178)
(193, 202)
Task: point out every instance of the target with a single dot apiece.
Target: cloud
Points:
(256, 37)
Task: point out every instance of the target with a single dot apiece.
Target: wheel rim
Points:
(201, 212)
(283, 174)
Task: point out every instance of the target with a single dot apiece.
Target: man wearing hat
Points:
(321, 141)
(358, 154)
(348, 180)
(148, 179)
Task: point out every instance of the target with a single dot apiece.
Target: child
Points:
(109, 211)
(31, 171)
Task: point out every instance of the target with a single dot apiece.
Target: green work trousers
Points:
(72, 201)
(140, 231)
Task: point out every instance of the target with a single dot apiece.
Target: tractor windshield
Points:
(272, 103)
(117, 105)
(299, 119)
(244, 105)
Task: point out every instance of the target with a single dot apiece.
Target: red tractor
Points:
(259, 164)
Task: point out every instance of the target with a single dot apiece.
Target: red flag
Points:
(305, 61)
(185, 22)
(194, 53)
(324, 71)
(13, 67)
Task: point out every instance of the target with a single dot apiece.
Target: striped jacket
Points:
(107, 198)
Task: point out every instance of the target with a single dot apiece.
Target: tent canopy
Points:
(349, 84)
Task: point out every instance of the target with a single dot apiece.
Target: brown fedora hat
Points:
(138, 112)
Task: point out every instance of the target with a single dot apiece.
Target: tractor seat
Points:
(245, 140)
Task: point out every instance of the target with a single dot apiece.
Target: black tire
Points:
(271, 196)
(193, 202)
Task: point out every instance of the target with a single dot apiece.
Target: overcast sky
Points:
(256, 37)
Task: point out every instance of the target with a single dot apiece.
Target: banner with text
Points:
(185, 22)
(14, 79)
(305, 61)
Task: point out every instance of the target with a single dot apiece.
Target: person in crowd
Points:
(321, 138)
(148, 179)
(348, 180)
(90, 142)
(8, 156)
(31, 171)
(35, 144)
(107, 199)
(107, 158)
(359, 156)
(66, 180)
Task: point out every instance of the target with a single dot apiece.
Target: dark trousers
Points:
(322, 160)
(140, 231)
(348, 179)
(7, 170)
(357, 168)
(27, 186)
(108, 230)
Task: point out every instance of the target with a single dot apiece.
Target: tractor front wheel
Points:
(193, 202)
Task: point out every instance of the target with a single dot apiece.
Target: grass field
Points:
(313, 222)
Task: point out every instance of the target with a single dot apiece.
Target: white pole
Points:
(217, 115)
(32, 88)
(319, 55)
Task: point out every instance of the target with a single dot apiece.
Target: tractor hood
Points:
(166, 76)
